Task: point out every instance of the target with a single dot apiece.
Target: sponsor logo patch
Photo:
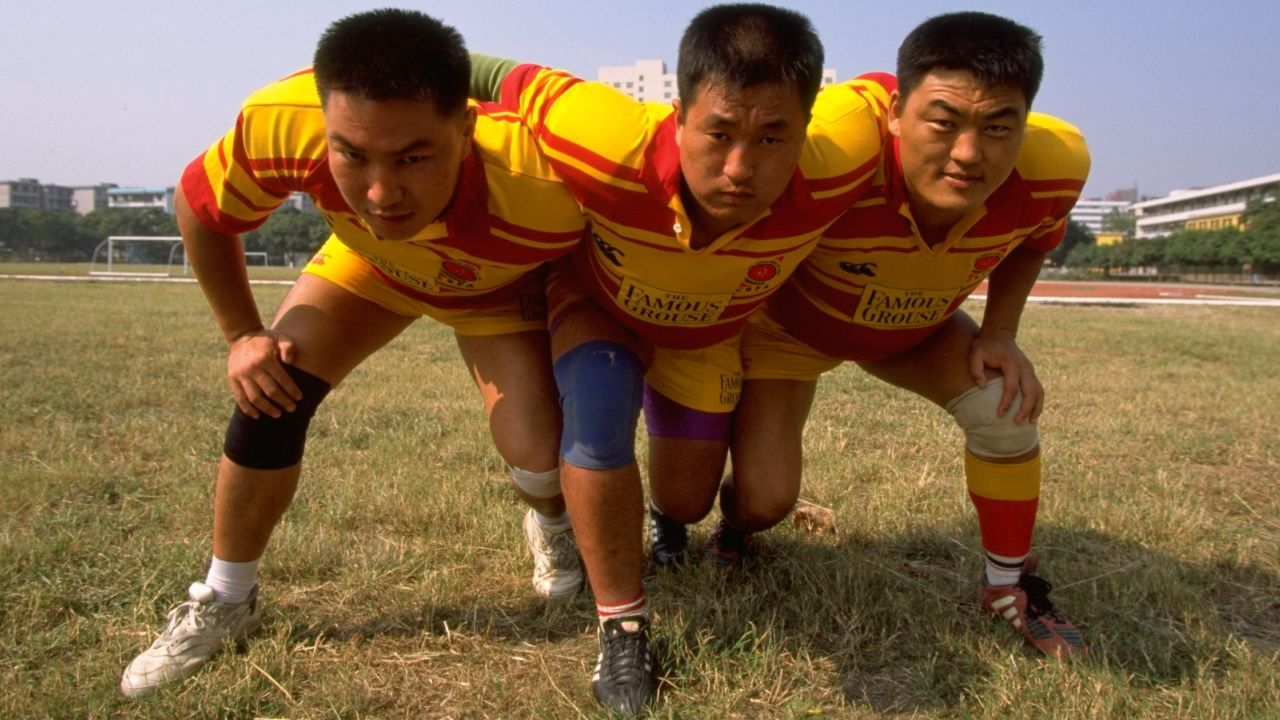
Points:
(609, 251)
(868, 269)
(404, 277)
(894, 308)
(730, 389)
(664, 307)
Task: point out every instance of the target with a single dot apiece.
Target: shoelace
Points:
(185, 615)
(1038, 602)
(626, 655)
(563, 549)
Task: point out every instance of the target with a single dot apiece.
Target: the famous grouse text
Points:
(400, 275)
(891, 308)
(670, 308)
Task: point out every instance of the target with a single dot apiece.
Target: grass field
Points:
(256, 271)
(397, 586)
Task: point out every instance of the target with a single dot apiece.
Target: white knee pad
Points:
(985, 433)
(541, 485)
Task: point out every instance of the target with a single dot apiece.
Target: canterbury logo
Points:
(868, 269)
(608, 250)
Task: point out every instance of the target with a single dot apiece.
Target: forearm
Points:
(218, 263)
(487, 73)
(1007, 292)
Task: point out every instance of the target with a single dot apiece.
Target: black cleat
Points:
(669, 539)
(728, 546)
(624, 680)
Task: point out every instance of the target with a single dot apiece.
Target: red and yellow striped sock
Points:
(1006, 496)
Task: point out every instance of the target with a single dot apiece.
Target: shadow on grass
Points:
(888, 623)
(894, 620)
(522, 620)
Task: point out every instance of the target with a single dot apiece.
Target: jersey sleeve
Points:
(593, 135)
(1054, 163)
(487, 73)
(277, 142)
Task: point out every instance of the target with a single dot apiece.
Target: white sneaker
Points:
(557, 571)
(197, 630)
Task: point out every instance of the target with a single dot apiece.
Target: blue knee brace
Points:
(273, 443)
(601, 391)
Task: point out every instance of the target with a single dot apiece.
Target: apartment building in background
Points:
(1208, 208)
(648, 80)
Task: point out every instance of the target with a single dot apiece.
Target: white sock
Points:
(232, 581)
(1003, 570)
(639, 607)
(551, 522)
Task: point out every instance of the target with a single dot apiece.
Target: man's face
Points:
(738, 151)
(396, 162)
(958, 141)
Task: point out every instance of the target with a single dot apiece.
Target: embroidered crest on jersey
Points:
(664, 307)
(763, 272)
(986, 262)
(458, 274)
(894, 308)
(760, 277)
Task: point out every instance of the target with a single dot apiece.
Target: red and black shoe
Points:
(1026, 606)
(728, 546)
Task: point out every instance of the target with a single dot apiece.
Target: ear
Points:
(895, 114)
(679, 111)
(468, 129)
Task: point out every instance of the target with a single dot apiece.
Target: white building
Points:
(649, 80)
(87, 198)
(1091, 212)
(1202, 209)
(141, 197)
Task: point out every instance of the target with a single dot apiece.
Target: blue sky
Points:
(1169, 95)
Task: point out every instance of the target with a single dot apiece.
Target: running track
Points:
(1046, 291)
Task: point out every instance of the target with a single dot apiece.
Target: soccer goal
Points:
(137, 256)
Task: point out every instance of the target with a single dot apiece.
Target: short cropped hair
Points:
(997, 50)
(745, 45)
(394, 55)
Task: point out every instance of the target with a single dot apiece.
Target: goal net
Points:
(134, 255)
(150, 256)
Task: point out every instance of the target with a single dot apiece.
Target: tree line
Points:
(1254, 247)
(30, 235)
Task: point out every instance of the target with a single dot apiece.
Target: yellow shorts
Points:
(707, 379)
(523, 311)
(770, 353)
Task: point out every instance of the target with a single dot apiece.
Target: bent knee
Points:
(267, 443)
(601, 388)
(761, 505)
(988, 434)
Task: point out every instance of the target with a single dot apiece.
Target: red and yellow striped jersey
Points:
(873, 288)
(619, 157)
(509, 213)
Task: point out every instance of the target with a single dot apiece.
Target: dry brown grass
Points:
(397, 585)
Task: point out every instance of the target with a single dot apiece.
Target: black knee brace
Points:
(273, 443)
